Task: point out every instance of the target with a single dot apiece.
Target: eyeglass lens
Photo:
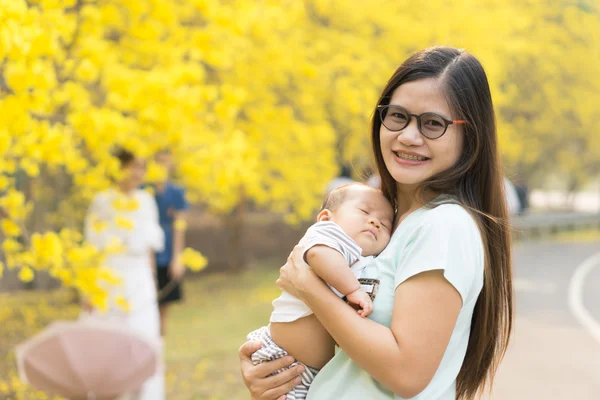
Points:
(396, 118)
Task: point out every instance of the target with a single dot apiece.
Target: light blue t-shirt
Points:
(445, 237)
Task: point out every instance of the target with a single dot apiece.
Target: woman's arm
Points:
(176, 269)
(403, 358)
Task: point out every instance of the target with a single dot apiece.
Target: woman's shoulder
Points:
(450, 223)
(176, 187)
(103, 195)
(144, 195)
(450, 215)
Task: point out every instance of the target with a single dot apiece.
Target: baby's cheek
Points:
(383, 244)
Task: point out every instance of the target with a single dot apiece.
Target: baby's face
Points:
(366, 216)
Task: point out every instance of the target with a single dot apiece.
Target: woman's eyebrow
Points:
(440, 113)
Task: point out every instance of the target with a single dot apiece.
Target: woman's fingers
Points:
(267, 368)
(280, 391)
(246, 365)
(245, 352)
(284, 377)
(297, 255)
(257, 379)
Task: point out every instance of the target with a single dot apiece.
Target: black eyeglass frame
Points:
(382, 108)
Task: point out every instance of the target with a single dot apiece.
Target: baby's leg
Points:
(304, 339)
(271, 351)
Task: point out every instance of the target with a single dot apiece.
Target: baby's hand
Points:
(361, 299)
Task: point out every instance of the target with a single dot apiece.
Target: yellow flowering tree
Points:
(548, 97)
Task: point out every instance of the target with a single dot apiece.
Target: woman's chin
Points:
(409, 180)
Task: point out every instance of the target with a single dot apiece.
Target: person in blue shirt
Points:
(172, 205)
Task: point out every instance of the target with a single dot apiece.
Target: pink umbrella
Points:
(87, 359)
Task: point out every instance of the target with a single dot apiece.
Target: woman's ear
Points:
(324, 215)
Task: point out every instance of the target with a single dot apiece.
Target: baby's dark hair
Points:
(124, 156)
(339, 195)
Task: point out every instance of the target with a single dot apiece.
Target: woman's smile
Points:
(409, 158)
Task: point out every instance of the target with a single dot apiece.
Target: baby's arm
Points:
(331, 266)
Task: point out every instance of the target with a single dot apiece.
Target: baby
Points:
(353, 225)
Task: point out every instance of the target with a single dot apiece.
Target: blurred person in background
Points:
(512, 197)
(523, 194)
(443, 312)
(127, 215)
(172, 205)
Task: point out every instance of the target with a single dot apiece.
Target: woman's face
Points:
(410, 157)
(134, 173)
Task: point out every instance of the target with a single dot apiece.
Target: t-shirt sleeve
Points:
(147, 233)
(331, 235)
(181, 203)
(449, 240)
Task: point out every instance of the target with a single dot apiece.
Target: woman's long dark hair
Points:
(477, 182)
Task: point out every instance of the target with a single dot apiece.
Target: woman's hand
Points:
(296, 276)
(257, 379)
(176, 270)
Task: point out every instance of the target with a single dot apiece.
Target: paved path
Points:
(552, 355)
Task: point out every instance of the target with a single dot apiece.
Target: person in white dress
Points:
(129, 215)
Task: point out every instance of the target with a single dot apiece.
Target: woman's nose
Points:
(410, 136)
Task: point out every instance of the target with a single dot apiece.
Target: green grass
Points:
(202, 339)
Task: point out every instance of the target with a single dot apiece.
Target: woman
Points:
(443, 312)
(129, 216)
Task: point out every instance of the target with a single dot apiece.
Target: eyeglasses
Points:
(431, 125)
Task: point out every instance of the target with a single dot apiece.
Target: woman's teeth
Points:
(410, 157)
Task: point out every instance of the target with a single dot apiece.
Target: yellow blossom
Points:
(5, 182)
(115, 246)
(126, 203)
(26, 274)
(98, 225)
(11, 246)
(156, 173)
(193, 259)
(10, 228)
(180, 224)
(124, 223)
(122, 303)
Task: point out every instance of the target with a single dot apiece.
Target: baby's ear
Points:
(324, 215)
